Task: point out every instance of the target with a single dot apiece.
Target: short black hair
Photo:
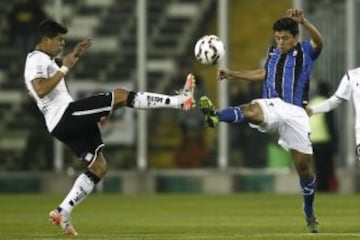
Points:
(49, 28)
(286, 24)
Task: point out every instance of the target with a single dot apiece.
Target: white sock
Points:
(146, 100)
(80, 190)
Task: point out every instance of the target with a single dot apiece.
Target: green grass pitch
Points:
(186, 216)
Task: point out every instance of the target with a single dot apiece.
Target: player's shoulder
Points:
(353, 73)
(306, 45)
(38, 56)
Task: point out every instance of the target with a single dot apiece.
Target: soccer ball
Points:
(209, 49)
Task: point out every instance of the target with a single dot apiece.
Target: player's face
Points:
(285, 41)
(55, 45)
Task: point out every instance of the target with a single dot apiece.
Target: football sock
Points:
(308, 192)
(231, 115)
(146, 100)
(83, 185)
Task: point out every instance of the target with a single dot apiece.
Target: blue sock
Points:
(231, 115)
(308, 192)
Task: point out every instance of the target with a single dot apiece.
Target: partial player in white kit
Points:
(75, 123)
(349, 86)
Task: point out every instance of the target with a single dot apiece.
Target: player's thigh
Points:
(89, 110)
(253, 112)
(88, 144)
(85, 142)
(294, 130)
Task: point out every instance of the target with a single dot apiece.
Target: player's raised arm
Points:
(247, 75)
(44, 86)
(82, 46)
(315, 35)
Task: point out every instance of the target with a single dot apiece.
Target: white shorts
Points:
(290, 121)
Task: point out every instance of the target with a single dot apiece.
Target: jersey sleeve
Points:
(37, 67)
(344, 90)
(327, 105)
(314, 53)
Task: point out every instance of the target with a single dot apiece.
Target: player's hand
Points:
(70, 60)
(357, 151)
(309, 111)
(82, 46)
(296, 14)
(224, 73)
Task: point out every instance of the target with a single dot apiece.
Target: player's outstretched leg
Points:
(184, 100)
(228, 114)
(208, 109)
(206, 106)
(188, 93)
(213, 117)
(63, 220)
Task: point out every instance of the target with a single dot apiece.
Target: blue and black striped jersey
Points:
(287, 75)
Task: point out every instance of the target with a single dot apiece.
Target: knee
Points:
(120, 97)
(303, 168)
(99, 168)
(253, 112)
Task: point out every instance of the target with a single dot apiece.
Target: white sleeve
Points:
(37, 67)
(327, 105)
(344, 90)
(357, 135)
(343, 93)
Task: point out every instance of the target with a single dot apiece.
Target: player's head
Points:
(286, 33)
(50, 37)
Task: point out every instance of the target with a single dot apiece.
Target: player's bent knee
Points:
(253, 112)
(303, 168)
(99, 168)
(302, 163)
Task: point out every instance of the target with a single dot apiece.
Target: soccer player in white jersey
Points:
(349, 86)
(75, 123)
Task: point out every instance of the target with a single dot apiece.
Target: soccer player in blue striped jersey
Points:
(285, 78)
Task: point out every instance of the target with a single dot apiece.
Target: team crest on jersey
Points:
(272, 51)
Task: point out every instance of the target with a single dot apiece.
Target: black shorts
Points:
(78, 127)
